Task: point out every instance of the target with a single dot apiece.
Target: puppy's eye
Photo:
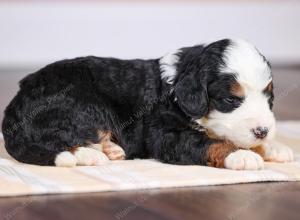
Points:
(229, 100)
(233, 101)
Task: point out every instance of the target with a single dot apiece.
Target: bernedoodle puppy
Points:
(201, 105)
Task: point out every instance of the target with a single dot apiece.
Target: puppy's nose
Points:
(260, 132)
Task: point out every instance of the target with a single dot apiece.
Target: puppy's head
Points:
(227, 87)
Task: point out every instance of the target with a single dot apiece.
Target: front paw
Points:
(244, 160)
(276, 152)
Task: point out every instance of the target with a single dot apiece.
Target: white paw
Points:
(278, 153)
(90, 157)
(65, 159)
(113, 151)
(244, 160)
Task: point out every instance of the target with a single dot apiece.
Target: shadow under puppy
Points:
(201, 105)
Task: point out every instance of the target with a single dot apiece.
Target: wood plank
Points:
(245, 201)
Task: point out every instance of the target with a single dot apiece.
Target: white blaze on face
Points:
(253, 74)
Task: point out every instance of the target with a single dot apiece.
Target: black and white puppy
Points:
(207, 105)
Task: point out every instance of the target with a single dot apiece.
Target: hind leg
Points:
(92, 154)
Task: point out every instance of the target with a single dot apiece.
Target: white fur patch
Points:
(90, 157)
(250, 67)
(98, 147)
(65, 159)
(244, 160)
(168, 66)
(277, 152)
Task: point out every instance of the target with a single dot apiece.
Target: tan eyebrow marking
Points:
(237, 89)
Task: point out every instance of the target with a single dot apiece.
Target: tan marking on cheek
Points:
(204, 120)
(269, 87)
(217, 153)
(237, 89)
(259, 150)
(212, 135)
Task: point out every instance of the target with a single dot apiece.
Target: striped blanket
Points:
(22, 179)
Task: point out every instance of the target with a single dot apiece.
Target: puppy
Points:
(201, 105)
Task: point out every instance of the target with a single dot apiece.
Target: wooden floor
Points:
(244, 201)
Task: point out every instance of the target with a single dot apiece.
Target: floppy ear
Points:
(191, 94)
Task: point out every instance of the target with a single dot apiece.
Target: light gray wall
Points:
(35, 34)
